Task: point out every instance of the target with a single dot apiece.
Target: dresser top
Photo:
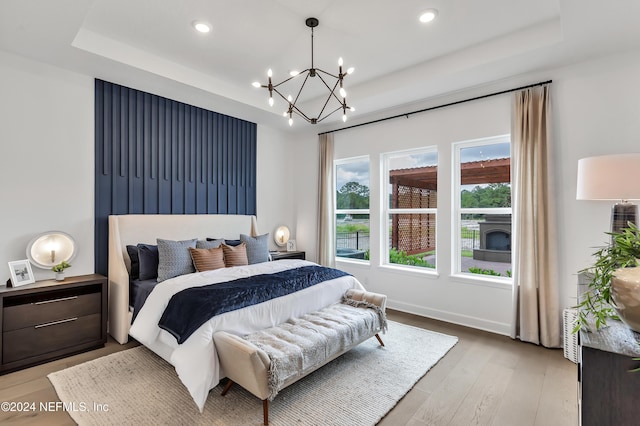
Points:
(48, 284)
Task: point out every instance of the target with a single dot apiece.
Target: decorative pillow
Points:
(231, 243)
(257, 248)
(148, 258)
(207, 259)
(202, 244)
(174, 258)
(235, 255)
(132, 251)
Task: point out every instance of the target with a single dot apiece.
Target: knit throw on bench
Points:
(300, 345)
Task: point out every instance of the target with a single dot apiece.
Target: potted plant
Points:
(59, 270)
(596, 303)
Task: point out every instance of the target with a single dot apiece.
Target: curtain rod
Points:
(407, 114)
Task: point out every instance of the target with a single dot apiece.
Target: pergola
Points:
(417, 188)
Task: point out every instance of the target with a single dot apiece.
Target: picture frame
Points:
(21, 273)
(291, 245)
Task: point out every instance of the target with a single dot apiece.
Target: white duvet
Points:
(196, 360)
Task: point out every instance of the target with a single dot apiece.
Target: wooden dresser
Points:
(51, 319)
(608, 392)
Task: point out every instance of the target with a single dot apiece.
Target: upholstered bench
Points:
(269, 360)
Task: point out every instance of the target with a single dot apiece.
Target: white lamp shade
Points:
(609, 177)
(281, 236)
(50, 248)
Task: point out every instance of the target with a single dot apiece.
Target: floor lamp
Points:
(612, 177)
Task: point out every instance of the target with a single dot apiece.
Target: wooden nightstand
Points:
(51, 319)
(279, 255)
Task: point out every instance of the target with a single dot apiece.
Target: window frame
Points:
(457, 212)
(336, 211)
(387, 210)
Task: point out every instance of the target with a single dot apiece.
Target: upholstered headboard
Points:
(133, 229)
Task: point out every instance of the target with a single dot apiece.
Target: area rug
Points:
(136, 387)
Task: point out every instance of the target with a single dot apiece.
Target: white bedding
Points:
(196, 361)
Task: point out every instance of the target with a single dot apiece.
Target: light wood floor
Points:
(485, 379)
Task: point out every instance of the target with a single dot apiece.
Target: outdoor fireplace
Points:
(495, 239)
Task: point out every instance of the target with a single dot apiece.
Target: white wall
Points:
(46, 165)
(595, 111)
(47, 162)
(275, 198)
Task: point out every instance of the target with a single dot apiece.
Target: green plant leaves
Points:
(60, 267)
(622, 252)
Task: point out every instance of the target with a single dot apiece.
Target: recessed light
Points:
(428, 15)
(201, 26)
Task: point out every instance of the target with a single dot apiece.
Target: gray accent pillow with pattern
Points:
(257, 248)
(174, 258)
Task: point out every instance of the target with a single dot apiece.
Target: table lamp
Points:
(281, 236)
(50, 248)
(612, 177)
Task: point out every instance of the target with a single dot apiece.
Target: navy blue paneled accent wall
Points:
(159, 156)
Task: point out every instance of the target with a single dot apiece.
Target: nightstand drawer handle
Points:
(55, 322)
(56, 300)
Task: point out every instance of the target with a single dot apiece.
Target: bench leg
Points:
(265, 411)
(379, 340)
(226, 388)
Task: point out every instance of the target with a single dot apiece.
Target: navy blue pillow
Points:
(148, 257)
(135, 262)
(231, 243)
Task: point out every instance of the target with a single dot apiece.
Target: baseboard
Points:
(452, 317)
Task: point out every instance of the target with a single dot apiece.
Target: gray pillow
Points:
(174, 258)
(209, 244)
(257, 248)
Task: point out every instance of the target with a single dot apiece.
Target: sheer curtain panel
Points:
(326, 216)
(537, 316)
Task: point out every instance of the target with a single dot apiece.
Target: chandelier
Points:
(331, 81)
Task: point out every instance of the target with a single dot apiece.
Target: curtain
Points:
(326, 217)
(537, 316)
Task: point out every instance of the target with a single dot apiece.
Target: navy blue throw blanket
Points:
(190, 308)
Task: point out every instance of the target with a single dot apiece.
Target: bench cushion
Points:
(301, 345)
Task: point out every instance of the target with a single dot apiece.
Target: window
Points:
(410, 207)
(352, 208)
(482, 207)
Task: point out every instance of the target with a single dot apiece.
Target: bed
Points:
(195, 360)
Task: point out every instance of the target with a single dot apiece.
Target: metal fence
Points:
(353, 240)
(469, 239)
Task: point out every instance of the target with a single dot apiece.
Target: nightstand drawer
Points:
(54, 307)
(50, 336)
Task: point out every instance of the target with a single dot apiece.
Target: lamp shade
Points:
(609, 177)
(50, 248)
